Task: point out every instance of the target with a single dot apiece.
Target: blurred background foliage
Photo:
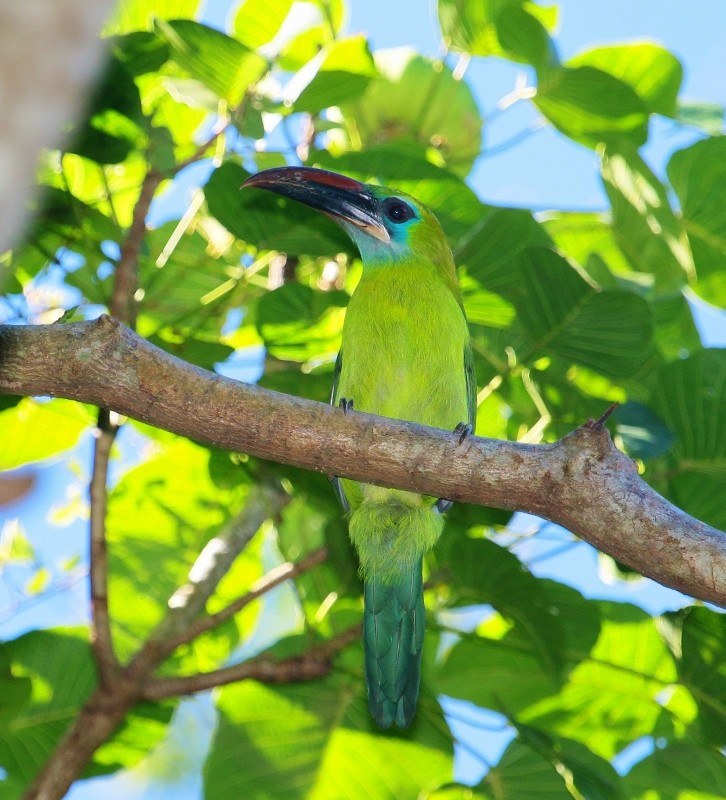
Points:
(569, 311)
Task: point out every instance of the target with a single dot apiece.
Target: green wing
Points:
(336, 379)
(470, 385)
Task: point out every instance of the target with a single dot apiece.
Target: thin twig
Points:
(283, 573)
(101, 639)
(316, 663)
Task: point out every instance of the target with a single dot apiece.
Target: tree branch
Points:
(313, 664)
(581, 482)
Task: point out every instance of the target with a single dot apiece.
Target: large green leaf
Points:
(484, 572)
(591, 107)
(680, 771)
(316, 740)
(346, 68)
(562, 314)
(515, 29)
(268, 221)
(698, 175)
(703, 669)
(690, 398)
(298, 323)
(60, 668)
(169, 503)
(257, 21)
(419, 103)
(34, 430)
(645, 227)
(611, 697)
(536, 767)
(139, 15)
(221, 63)
(15, 690)
(652, 72)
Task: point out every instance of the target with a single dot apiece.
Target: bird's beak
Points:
(337, 196)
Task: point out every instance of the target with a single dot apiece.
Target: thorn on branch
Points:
(598, 424)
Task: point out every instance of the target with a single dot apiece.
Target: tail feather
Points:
(393, 623)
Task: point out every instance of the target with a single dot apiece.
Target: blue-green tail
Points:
(391, 535)
(393, 625)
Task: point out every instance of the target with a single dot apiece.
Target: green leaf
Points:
(591, 107)
(345, 71)
(298, 323)
(582, 236)
(643, 433)
(491, 251)
(142, 729)
(522, 773)
(689, 397)
(645, 227)
(257, 21)
(611, 697)
(703, 669)
(182, 509)
(316, 740)
(513, 29)
(680, 771)
(419, 103)
(139, 15)
(484, 572)
(15, 690)
(112, 126)
(60, 667)
(268, 221)
(653, 72)
(610, 331)
(698, 174)
(580, 771)
(220, 62)
(33, 431)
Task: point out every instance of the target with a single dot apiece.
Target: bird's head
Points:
(386, 225)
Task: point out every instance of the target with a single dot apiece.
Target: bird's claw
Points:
(442, 505)
(463, 429)
(345, 404)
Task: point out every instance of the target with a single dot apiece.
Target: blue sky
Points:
(546, 170)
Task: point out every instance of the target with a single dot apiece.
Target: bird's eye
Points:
(397, 211)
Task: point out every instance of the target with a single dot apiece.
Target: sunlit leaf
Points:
(345, 70)
(220, 62)
(653, 72)
(139, 15)
(257, 21)
(418, 102)
(698, 175)
(611, 698)
(591, 106)
(33, 430)
(703, 669)
(316, 740)
(515, 29)
(60, 668)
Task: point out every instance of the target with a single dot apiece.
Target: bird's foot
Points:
(462, 430)
(345, 404)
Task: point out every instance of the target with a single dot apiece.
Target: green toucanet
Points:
(405, 354)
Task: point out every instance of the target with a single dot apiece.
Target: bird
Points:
(405, 353)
